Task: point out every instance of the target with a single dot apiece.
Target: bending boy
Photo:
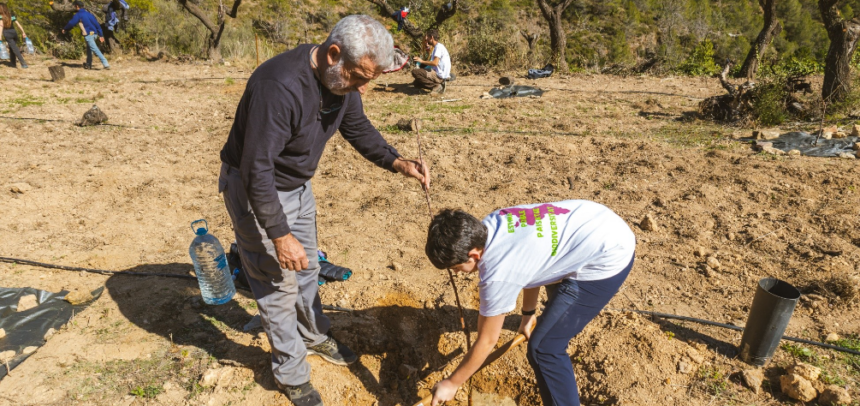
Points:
(582, 245)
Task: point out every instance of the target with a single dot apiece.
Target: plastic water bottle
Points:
(4, 50)
(29, 44)
(210, 265)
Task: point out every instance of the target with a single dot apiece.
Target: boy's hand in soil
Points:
(291, 253)
(527, 325)
(443, 392)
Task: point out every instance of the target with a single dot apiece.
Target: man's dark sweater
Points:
(279, 133)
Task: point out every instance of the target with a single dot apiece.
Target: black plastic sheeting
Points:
(515, 91)
(28, 328)
(805, 143)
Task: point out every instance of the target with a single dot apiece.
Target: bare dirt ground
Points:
(121, 198)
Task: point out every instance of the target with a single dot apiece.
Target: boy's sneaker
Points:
(107, 67)
(303, 395)
(334, 352)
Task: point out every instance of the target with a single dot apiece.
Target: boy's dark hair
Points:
(452, 234)
(78, 3)
(433, 33)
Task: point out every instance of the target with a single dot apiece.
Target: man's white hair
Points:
(360, 36)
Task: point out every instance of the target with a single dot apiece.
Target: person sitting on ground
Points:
(579, 250)
(8, 34)
(91, 28)
(439, 63)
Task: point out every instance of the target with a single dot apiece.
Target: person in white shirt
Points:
(579, 250)
(439, 64)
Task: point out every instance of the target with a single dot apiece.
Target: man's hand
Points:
(443, 392)
(102, 39)
(63, 31)
(416, 169)
(527, 325)
(291, 253)
(417, 59)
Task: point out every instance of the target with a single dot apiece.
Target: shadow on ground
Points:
(396, 335)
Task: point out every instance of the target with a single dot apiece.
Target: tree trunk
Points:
(843, 35)
(771, 29)
(215, 31)
(557, 37)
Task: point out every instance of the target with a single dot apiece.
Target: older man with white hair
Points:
(292, 106)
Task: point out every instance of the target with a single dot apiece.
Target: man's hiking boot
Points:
(303, 395)
(334, 352)
(440, 89)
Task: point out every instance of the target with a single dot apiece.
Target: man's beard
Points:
(334, 81)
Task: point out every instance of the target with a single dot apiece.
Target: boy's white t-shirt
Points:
(536, 244)
(443, 70)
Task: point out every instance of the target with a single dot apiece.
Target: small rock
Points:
(29, 350)
(796, 387)
(826, 135)
(20, 188)
(713, 263)
(760, 145)
(27, 302)
(753, 378)
(2, 333)
(700, 252)
(806, 371)
(7, 355)
(210, 377)
(684, 367)
(839, 134)
(397, 267)
(834, 395)
(407, 371)
(847, 155)
(78, 296)
(856, 146)
(695, 355)
(855, 130)
(49, 333)
(486, 95)
(794, 152)
(831, 338)
(648, 223)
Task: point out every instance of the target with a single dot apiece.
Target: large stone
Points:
(796, 387)
(855, 130)
(806, 371)
(769, 134)
(93, 116)
(27, 302)
(834, 395)
(78, 296)
(753, 379)
(2, 333)
(649, 224)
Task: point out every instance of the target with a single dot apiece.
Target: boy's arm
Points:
(530, 300)
(489, 329)
(72, 23)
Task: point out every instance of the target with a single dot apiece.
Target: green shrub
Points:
(700, 62)
(769, 101)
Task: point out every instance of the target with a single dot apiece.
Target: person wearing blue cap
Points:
(91, 29)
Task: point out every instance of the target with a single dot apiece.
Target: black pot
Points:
(770, 313)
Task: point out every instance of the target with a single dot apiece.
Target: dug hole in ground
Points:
(121, 198)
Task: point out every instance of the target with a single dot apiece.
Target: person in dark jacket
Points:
(292, 105)
(92, 30)
(8, 34)
(114, 14)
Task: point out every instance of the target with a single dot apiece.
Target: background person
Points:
(439, 63)
(91, 27)
(112, 11)
(8, 34)
(292, 105)
(580, 250)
